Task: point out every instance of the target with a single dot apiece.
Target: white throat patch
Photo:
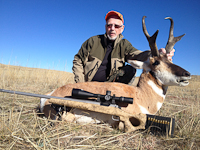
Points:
(159, 91)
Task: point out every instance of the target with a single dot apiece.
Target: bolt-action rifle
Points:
(85, 100)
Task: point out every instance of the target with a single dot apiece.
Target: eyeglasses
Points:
(115, 25)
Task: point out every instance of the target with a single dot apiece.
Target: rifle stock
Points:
(131, 122)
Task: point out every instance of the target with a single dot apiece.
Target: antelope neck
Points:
(164, 88)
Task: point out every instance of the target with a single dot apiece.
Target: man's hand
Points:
(170, 55)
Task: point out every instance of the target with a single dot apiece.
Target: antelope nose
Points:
(186, 73)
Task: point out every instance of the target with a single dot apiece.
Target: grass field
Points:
(22, 128)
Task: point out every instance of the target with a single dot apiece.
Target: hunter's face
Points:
(114, 27)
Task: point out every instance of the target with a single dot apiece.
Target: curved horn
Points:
(171, 40)
(151, 39)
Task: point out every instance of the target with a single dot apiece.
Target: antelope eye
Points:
(156, 63)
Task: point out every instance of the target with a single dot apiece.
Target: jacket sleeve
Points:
(78, 69)
(134, 54)
(79, 60)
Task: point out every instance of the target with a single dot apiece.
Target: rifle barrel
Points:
(49, 97)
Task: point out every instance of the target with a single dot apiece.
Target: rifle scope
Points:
(78, 93)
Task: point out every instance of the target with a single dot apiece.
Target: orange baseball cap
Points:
(111, 13)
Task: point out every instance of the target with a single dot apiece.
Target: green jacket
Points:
(93, 50)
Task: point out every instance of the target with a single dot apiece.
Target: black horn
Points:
(171, 40)
(151, 39)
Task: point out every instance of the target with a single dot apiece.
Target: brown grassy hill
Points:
(39, 80)
(21, 128)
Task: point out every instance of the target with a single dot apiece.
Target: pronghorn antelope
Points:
(149, 94)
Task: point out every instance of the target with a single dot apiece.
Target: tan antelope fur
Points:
(149, 94)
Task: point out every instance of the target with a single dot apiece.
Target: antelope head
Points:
(158, 65)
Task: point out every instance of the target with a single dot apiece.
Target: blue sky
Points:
(48, 33)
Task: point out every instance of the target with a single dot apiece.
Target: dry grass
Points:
(21, 128)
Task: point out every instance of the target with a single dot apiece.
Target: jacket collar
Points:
(118, 39)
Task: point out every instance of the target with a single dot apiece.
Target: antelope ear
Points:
(140, 65)
(136, 64)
